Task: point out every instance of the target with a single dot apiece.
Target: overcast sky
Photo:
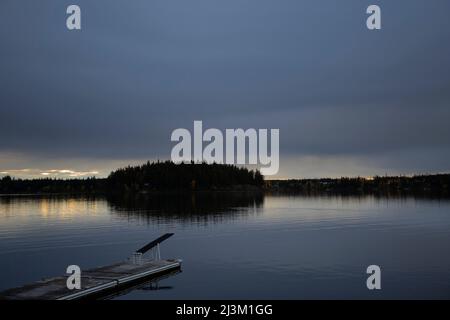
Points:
(347, 101)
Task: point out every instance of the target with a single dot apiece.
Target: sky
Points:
(348, 101)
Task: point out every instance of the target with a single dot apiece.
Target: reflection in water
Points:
(360, 197)
(50, 206)
(205, 207)
(151, 285)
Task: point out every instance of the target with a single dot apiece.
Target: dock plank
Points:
(93, 281)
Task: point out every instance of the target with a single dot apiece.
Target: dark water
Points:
(238, 246)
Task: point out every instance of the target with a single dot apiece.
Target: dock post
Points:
(158, 252)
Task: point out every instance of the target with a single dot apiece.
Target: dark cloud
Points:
(138, 70)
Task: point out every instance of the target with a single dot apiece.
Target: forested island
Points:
(149, 177)
(154, 177)
(167, 176)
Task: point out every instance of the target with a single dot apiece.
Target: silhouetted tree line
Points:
(10, 185)
(438, 185)
(167, 175)
(156, 176)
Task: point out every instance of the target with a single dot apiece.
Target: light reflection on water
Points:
(238, 246)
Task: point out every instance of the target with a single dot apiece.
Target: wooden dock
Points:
(99, 282)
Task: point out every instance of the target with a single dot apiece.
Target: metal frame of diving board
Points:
(152, 246)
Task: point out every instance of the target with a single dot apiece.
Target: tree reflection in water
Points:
(192, 207)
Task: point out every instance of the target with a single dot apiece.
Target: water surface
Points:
(238, 246)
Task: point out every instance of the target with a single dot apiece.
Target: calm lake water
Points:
(238, 247)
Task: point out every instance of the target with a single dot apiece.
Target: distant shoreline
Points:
(186, 178)
(424, 185)
(149, 193)
(428, 185)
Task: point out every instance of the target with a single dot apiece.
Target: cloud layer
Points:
(112, 93)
